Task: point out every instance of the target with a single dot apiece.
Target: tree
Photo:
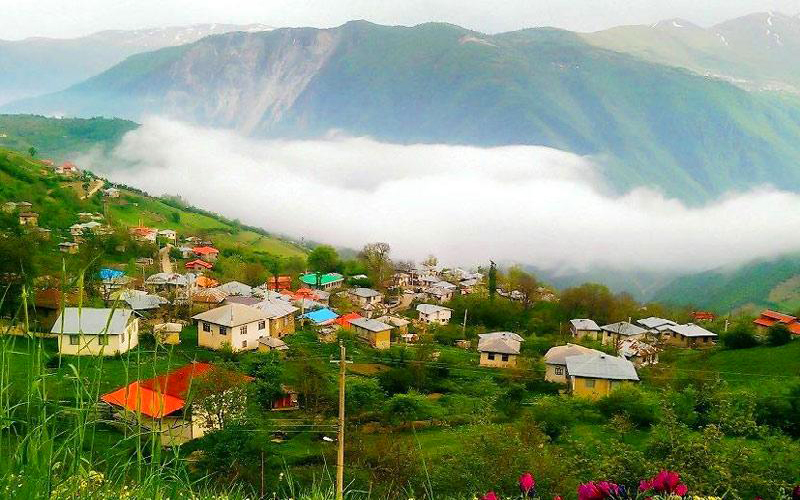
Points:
(590, 300)
(430, 261)
(220, 397)
(492, 284)
(741, 336)
(778, 335)
(323, 259)
(32, 151)
(376, 259)
(524, 283)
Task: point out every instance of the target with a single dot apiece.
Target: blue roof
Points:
(321, 315)
(109, 274)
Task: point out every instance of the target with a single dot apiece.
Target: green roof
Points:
(324, 279)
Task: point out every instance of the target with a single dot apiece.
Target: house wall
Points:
(279, 327)
(556, 373)
(579, 334)
(378, 340)
(498, 361)
(441, 318)
(582, 387)
(675, 339)
(616, 338)
(89, 345)
(233, 337)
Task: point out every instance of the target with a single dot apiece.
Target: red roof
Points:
(783, 318)
(769, 318)
(344, 321)
(204, 250)
(142, 230)
(198, 262)
(284, 283)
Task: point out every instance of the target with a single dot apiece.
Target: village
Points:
(187, 350)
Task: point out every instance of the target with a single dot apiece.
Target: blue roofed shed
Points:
(321, 316)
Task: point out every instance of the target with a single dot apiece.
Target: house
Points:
(288, 401)
(140, 301)
(322, 281)
(401, 279)
(366, 297)
(639, 353)
(170, 281)
(398, 323)
(434, 314)
(111, 192)
(594, 376)
(238, 299)
(268, 344)
(427, 280)
(769, 318)
(278, 283)
(499, 349)
(374, 332)
(234, 325)
(698, 316)
(344, 320)
(28, 219)
(186, 252)
(208, 254)
(581, 327)
(280, 314)
(321, 317)
(68, 247)
(206, 282)
(163, 404)
(655, 325)
(96, 331)
(67, 168)
(112, 280)
(556, 364)
(168, 333)
(615, 333)
(142, 233)
(439, 294)
(688, 335)
(237, 288)
(167, 234)
(198, 265)
(208, 298)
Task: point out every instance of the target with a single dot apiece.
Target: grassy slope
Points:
(60, 139)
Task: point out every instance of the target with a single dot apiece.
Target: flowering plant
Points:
(665, 482)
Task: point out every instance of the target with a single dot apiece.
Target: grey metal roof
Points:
(446, 285)
(276, 308)
(273, 343)
(603, 366)
(237, 288)
(691, 330)
(585, 324)
(239, 299)
(654, 322)
(92, 321)
(231, 315)
(372, 325)
(557, 355)
(501, 342)
(365, 292)
(624, 328)
(394, 320)
(141, 301)
(431, 308)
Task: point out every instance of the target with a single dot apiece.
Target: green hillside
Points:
(647, 124)
(61, 139)
(767, 283)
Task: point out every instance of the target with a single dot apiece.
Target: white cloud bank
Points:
(525, 204)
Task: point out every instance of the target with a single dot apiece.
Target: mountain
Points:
(647, 124)
(61, 139)
(757, 52)
(41, 65)
(771, 283)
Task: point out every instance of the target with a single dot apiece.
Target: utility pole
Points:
(340, 455)
(464, 325)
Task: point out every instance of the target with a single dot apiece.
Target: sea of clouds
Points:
(466, 205)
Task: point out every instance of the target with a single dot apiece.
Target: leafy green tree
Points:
(741, 336)
(363, 395)
(590, 300)
(323, 259)
(32, 151)
(778, 335)
(402, 408)
(492, 279)
(376, 260)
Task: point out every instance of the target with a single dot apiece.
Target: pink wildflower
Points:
(526, 483)
(490, 496)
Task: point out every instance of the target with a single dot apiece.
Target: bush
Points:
(741, 336)
(778, 335)
(629, 401)
(402, 408)
(397, 380)
(552, 416)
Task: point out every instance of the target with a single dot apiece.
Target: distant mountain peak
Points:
(675, 23)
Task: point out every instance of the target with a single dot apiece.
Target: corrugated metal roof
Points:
(231, 315)
(365, 292)
(602, 366)
(585, 324)
(691, 330)
(431, 308)
(372, 325)
(321, 316)
(654, 322)
(557, 355)
(92, 321)
(624, 328)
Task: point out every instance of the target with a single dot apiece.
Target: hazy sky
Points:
(69, 18)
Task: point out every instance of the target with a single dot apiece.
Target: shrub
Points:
(741, 336)
(778, 335)
(552, 415)
(629, 401)
(402, 408)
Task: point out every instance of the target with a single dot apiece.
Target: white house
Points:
(366, 296)
(583, 327)
(235, 325)
(615, 333)
(90, 331)
(432, 313)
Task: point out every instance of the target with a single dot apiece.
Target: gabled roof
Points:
(210, 295)
(273, 343)
(321, 316)
(276, 308)
(603, 366)
(624, 328)
(238, 299)
(585, 324)
(691, 330)
(169, 279)
(558, 354)
(345, 320)
(142, 301)
(199, 262)
(654, 322)
(92, 321)
(237, 288)
(231, 315)
(205, 250)
(324, 279)
(206, 282)
(431, 308)
(499, 342)
(372, 325)
(365, 292)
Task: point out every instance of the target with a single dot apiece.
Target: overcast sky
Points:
(70, 18)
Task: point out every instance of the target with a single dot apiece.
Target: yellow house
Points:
(555, 361)
(280, 314)
(499, 349)
(595, 376)
(615, 333)
(580, 328)
(168, 333)
(96, 331)
(688, 335)
(237, 326)
(374, 332)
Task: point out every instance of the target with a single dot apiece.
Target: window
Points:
(244, 343)
(74, 339)
(262, 324)
(243, 330)
(589, 382)
(559, 370)
(490, 356)
(505, 357)
(102, 339)
(223, 330)
(122, 339)
(206, 327)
